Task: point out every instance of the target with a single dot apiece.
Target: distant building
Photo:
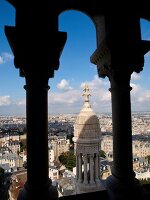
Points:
(59, 145)
(142, 174)
(141, 149)
(53, 173)
(13, 160)
(56, 169)
(8, 137)
(51, 155)
(87, 134)
(18, 180)
(105, 168)
(107, 143)
(14, 146)
(6, 167)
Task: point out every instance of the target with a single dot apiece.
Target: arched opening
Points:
(37, 115)
(12, 95)
(140, 101)
(140, 81)
(76, 68)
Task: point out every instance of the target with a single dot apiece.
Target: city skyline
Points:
(65, 94)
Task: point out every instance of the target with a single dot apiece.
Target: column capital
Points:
(121, 45)
(108, 65)
(30, 54)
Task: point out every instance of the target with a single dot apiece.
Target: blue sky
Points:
(65, 95)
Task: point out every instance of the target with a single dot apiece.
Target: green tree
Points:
(148, 157)
(71, 161)
(102, 154)
(68, 159)
(70, 138)
(63, 158)
(22, 145)
(145, 181)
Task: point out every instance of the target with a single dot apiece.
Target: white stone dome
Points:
(87, 125)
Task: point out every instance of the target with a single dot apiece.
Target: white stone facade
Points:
(59, 145)
(86, 138)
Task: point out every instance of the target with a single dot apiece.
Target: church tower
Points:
(87, 146)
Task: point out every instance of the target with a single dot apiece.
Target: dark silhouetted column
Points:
(38, 185)
(123, 179)
(37, 46)
(120, 51)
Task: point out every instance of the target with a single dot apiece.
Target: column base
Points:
(123, 189)
(37, 193)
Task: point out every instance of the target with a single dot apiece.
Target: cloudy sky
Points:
(65, 94)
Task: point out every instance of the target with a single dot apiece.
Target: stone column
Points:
(123, 178)
(91, 170)
(120, 51)
(36, 59)
(96, 166)
(38, 185)
(77, 167)
(85, 169)
(80, 168)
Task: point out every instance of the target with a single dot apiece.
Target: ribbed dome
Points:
(86, 147)
(87, 123)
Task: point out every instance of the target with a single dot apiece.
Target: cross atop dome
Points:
(86, 93)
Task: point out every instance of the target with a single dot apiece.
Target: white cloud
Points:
(106, 96)
(145, 97)
(5, 100)
(135, 76)
(64, 85)
(21, 102)
(135, 88)
(66, 102)
(70, 97)
(100, 98)
(140, 98)
(8, 106)
(5, 57)
(99, 89)
(8, 101)
(71, 100)
(96, 83)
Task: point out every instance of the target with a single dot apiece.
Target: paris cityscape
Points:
(13, 155)
(56, 127)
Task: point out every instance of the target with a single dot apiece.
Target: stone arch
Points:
(122, 181)
(90, 9)
(90, 25)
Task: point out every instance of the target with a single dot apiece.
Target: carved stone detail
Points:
(87, 149)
